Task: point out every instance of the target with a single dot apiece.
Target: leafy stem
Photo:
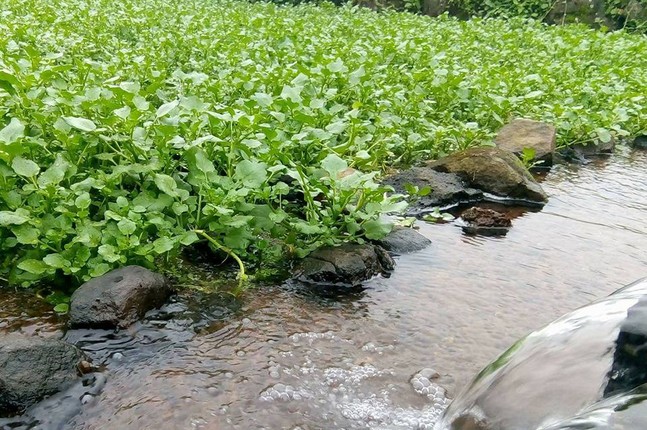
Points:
(242, 277)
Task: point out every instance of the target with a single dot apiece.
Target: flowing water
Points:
(286, 357)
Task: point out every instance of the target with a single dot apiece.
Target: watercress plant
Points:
(132, 129)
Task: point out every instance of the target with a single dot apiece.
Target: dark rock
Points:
(485, 222)
(85, 367)
(435, 7)
(640, 142)
(118, 298)
(470, 422)
(32, 368)
(492, 170)
(592, 149)
(403, 240)
(446, 188)
(582, 154)
(346, 265)
(525, 133)
(590, 12)
(629, 369)
(486, 217)
(60, 410)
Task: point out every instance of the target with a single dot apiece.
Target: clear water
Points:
(284, 357)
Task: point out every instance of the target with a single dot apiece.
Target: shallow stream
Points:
(284, 357)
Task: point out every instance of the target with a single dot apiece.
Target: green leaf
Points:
(55, 173)
(26, 234)
(292, 93)
(166, 184)
(262, 99)
(12, 132)
(336, 66)
(56, 260)
(83, 201)
(126, 226)
(130, 87)
(604, 135)
(189, 238)
(163, 244)
(62, 308)
(307, 228)
(109, 253)
(100, 269)
(25, 167)
(202, 162)
(377, 229)
(9, 82)
(82, 124)
(20, 216)
(35, 267)
(166, 108)
(123, 112)
(251, 173)
(333, 164)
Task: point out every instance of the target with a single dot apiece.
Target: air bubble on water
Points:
(282, 392)
(335, 376)
(310, 337)
(421, 383)
(198, 423)
(379, 349)
(86, 399)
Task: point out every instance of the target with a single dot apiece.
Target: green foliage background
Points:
(129, 128)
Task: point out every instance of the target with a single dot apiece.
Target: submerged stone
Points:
(403, 240)
(348, 265)
(494, 171)
(32, 368)
(118, 298)
(640, 142)
(486, 222)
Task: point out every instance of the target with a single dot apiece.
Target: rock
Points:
(581, 153)
(629, 369)
(494, 171)
(446, 188)
(118, 298)
(590, 12)
(403, 240)
(486, 222)
(486, 217)
(599, 148)
(525, 133)
(435, 7)
(470, 422)
(347, 265)
(85, 367)
(640, 142)
(32, 368)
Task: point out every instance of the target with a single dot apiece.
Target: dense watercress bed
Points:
(131, 129)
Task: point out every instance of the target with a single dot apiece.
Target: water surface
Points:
(285, 357)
